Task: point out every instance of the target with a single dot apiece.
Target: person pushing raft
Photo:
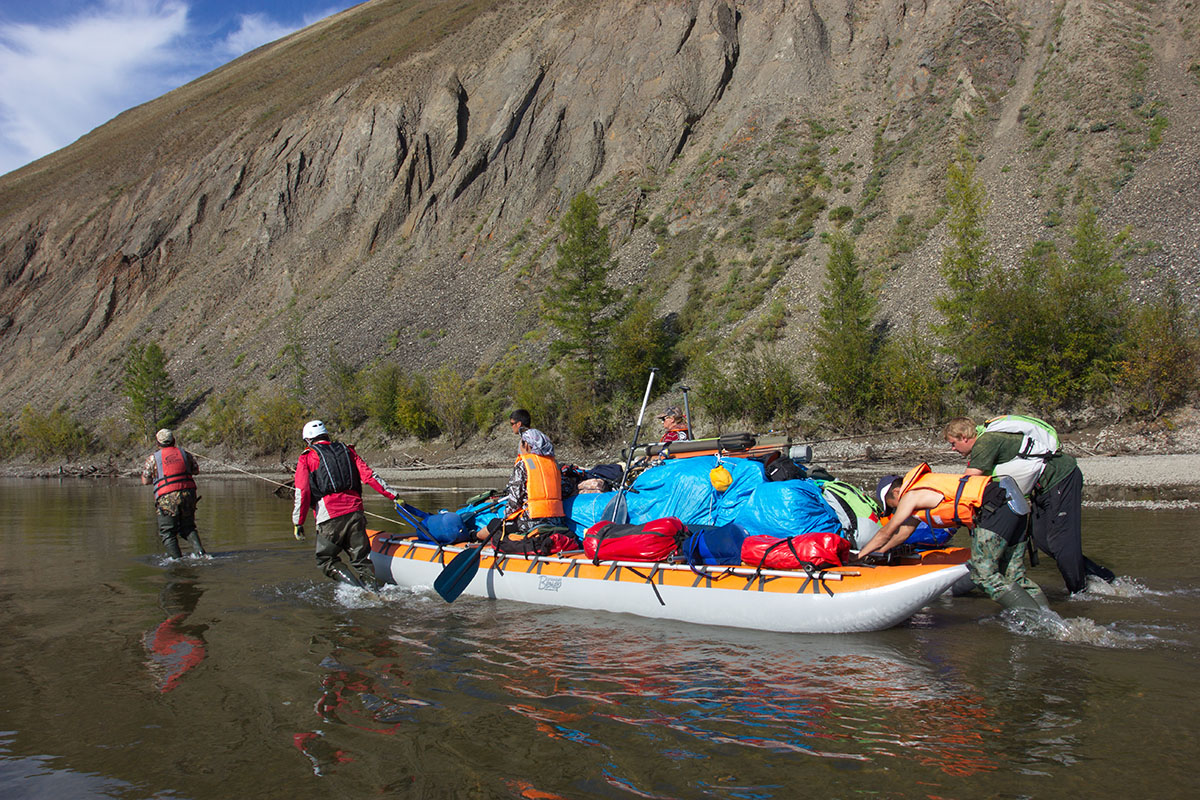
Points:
(329, 479)
(994, 510)
(171, 468)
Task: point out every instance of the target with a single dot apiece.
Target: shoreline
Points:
(1118, 461)
(1158, 476)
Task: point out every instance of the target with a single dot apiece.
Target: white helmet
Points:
(312, 430)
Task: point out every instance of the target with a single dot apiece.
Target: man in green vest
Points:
(1028, 449)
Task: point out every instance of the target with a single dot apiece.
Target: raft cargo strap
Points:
(709, 570)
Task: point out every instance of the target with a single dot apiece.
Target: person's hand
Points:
(298, 532)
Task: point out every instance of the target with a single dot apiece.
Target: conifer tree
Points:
(578, 301)
(846, 345)
(148, 388)
(966, 266)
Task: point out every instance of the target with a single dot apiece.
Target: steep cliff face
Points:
(389, 180)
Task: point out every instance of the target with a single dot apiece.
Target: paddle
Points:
(458, 574)
(687, 412)
(616, 510)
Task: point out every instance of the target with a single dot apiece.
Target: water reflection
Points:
(173, 647)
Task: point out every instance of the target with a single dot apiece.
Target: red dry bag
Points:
(816, 549)
(650, 541)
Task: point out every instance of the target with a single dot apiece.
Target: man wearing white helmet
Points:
(171, 469)
(329, 479)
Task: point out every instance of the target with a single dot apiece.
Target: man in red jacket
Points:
(329, 479)
(171, 469)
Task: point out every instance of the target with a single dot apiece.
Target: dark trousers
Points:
(181, 524)
(1057, 530)
(345, 533)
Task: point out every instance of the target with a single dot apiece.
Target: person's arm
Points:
(148, 471)
(514, 492)
(303, 492)
(973, 471)
(902, 523)
(368, 476)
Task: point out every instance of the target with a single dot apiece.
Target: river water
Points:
(247, 674)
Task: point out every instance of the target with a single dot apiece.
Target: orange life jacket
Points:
(543, 487)
(173, 471)
(961, 496)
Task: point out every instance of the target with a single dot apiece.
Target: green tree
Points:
(846, 345)
(578, 301)
(1090, 291)
(640, 340)
(382, 390)
(148, 388)
(966, 267)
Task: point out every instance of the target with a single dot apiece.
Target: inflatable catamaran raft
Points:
(812, 598)
(835, 600)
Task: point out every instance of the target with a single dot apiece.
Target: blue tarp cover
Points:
(681, 488)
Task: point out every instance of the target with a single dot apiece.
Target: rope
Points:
(271, 481)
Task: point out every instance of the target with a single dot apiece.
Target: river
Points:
(247, 674)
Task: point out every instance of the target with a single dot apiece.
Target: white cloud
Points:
(253, 30)
(58, 81)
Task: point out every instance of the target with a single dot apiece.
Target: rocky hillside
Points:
(387, 183)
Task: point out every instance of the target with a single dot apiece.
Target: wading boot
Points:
(193, 539)
(172, 545)
(962, 586)
(342, 573)
(1017, 598)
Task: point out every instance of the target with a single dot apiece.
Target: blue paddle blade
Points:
(457, 575)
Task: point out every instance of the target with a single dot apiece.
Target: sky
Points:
(68, 66)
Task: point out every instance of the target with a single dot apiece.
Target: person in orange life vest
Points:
(533, 496)
(994, 511)
(329, 479)
(675, 425)
(171, 469)
(520, 421)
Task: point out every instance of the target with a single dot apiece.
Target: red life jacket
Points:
(174, 473)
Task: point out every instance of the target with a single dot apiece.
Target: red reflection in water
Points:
(174, 648)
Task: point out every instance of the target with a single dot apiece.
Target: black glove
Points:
(298, 532)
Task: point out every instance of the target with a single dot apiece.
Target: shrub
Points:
(640, 341)
(452, 403)
(342, 393)
(226, 420)
(57, 434)
(276, 422)
(414, 412)
(910, 388)
(1159, 372)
